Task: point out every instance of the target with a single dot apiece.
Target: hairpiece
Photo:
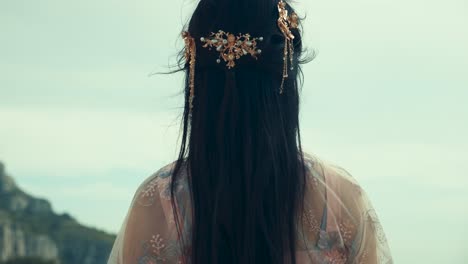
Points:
(190, 52)
(232, 47)
(285, 24)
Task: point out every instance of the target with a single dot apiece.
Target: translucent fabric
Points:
(339, 224)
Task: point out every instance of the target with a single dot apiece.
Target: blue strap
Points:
(323, 224)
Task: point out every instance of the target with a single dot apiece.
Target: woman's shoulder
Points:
(329, 173)
(349, 228)
(335, 186)
(157, 185)
(160, 173)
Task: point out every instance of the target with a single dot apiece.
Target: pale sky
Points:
(83, 124)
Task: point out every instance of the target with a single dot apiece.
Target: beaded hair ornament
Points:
(232, 47)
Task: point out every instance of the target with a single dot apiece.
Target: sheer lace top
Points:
(339, 224)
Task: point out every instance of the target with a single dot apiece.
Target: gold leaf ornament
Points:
(287, 22)
(232, 47)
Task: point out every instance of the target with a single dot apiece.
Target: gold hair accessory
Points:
(232, 47)
(190, 52)
(285, 24)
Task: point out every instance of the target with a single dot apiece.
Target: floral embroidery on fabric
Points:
(158, 245)
(157, 250)
(347, 229)
(311, 221)
(161, 185)
(335, 256)
(150, 189)
(149, 257)
(363, 257)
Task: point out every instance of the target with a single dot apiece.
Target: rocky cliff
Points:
(29, 228)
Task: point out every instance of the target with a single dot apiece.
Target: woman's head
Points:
(241, 141)
(280, 50)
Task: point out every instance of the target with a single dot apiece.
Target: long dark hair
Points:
(241, 143)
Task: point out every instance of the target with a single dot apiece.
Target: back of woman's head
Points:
(241, 140)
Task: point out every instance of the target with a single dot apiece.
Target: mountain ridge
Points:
(29, 228)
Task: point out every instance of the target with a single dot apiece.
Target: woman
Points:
(242, 189)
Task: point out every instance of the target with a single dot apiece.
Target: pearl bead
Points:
(218, 61)
(260, 38)
(214, 41)
(224, 41)
(202, 39)
(259, 51)
(219, 48)
(248, 43)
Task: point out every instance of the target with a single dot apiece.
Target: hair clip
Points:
(286, 23)
(190, 57)
(232, 47)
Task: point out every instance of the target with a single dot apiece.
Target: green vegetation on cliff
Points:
(31, 231)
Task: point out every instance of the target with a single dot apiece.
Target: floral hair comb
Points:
(232, 47)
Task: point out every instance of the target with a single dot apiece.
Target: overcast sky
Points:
(83, 124)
